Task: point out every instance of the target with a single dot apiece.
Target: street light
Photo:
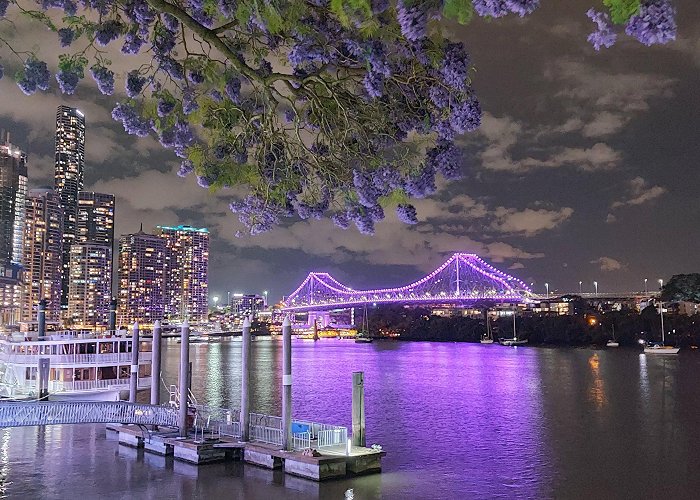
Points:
(547, 287)
(595, 284)
(215, 298)
(645, 286)
(661, 283)
(265, 293)
(580, 289)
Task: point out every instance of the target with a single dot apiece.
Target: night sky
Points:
(585, 168)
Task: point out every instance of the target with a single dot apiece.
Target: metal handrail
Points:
(64, 412)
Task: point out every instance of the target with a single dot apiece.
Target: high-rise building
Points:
(246, 304)
(43, 246)
(68, 180)
(141, 278)
(90, 289)
(186, 272)
(13, 192)
(95, 218)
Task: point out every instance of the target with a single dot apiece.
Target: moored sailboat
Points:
(515, 341)
(661, 348)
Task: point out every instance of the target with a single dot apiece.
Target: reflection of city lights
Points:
(592, 321)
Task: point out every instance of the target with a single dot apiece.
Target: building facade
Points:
(43, 247)
(13, 193)
(140, 278)
(90, 288)
(246, 304)
(68, 179)
(186, 271)
(95, 221)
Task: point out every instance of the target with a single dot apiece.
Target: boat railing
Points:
(85, 385)
(77, 359)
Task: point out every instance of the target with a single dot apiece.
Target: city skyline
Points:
(569, 179)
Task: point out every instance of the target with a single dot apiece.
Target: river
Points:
(457, 421)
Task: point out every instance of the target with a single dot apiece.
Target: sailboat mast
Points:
(515, 335)
(661, 310)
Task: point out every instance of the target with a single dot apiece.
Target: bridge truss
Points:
(16, 414)
(462, 280)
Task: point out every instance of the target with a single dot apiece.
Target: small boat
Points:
(515, 341)
(488, 337)
(362, 336)
(512, 342)
(612, 342)
(660, 347)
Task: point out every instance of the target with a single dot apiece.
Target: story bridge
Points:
(464, 279)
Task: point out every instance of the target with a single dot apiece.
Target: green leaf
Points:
(622, 10)
(461, 11)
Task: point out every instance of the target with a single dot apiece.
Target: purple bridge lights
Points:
(462, 280)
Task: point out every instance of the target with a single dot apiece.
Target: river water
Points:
(457, 421)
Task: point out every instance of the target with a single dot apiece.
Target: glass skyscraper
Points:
(68, 179)
(13, 193)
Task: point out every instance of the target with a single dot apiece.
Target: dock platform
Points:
(328, 463)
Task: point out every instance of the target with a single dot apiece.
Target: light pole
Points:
(580, 287)
(265, 294)
(228, 298)
(546, 285)
(595, 284)
(215, 298)
(645, 286)
(661, 312)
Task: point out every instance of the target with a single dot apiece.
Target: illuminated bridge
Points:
(462, 280)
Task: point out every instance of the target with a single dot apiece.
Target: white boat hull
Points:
(487, 341)
(661, 350)
(612, 344)
(512, 342)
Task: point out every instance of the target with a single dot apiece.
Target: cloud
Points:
(610, 219)
(529, 222)
(639, 193)
(608, 264)
(517, 265)
(503, 133)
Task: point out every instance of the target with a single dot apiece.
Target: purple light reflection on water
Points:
(457, 421)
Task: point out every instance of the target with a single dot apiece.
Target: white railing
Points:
(232, 430)
(301, 441)
(267, 435)
(262, 420)
(86, 385)
(62, 412)
(77, 359)
(332, 437)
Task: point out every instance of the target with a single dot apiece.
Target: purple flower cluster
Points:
(445, 158)
(455, 66)
(439, 96)
(65, 36)
(189, 101)
(132, 43)
(257, 215)
(165, 107)
(603, 36)
(107, 32)
(499, 8)
(171, 23)
(178, 138)
(134, 83)
(655, 23)
(413, 20)
(36, 76)
(306, 53)
(172, 67)
(186, 168)
(423, 183)
(3, 7)
(407, 214)
(104, 78)
(195, 76)
(466, 115)
(2, 71)
(132, 121)
(233, 89)
(491, 8)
